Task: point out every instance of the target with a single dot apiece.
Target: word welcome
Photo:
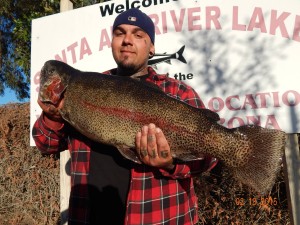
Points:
(112, 8)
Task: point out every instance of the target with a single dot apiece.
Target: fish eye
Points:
(51, 71)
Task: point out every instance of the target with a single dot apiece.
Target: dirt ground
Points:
(29, 184)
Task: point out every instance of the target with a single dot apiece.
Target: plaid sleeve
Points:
(188, 95)
(48, 140)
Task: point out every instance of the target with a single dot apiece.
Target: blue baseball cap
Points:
(136, 17)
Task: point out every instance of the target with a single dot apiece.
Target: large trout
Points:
(111, 109)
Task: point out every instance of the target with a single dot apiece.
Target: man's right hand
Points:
(52, 111)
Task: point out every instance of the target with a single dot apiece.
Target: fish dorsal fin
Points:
(148, 84)
(210, 114)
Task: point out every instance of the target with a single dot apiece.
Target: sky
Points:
(9, 97)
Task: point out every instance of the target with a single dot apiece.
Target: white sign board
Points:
(242, 56)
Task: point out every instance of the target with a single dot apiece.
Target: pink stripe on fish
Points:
(136, 117)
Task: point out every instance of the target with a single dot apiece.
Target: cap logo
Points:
(136, 17)
(132, 18)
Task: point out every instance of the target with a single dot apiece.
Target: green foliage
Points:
(15, 36)
(81, 3)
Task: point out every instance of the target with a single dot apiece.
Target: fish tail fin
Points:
(179, 54)
(262, 167)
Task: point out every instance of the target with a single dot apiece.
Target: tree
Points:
(15, 37)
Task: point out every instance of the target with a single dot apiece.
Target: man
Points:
(107, 188)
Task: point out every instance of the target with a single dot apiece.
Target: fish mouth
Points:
(52, 90)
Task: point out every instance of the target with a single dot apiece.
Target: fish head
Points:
(54, 79)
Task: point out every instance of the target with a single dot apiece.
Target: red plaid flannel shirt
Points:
(155, 196)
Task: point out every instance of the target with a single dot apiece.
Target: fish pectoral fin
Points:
(151, 85)
(129, 153)
(188, 157)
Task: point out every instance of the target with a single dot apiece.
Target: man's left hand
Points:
(153, 147)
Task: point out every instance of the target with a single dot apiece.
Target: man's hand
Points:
(153, 148)
(52, 111)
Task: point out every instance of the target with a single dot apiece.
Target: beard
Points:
(128, 68)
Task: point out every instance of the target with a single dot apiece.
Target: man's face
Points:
(131, 47)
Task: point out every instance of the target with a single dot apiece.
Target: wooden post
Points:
(292, 177)
(65, 186)
(66, 5)
(65, 179)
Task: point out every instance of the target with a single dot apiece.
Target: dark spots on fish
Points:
(137, 117)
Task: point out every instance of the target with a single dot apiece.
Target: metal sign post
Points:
(292, 177)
